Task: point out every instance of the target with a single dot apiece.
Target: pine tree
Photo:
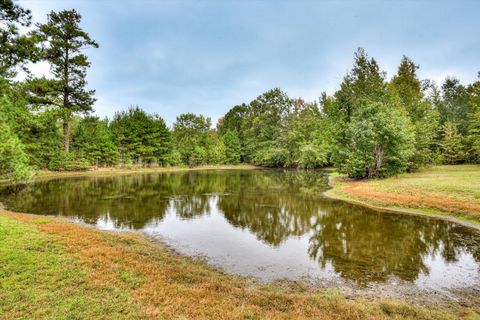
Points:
(64, 41)
(93, 140)
(452, 144)
(13, 158)
(16, 49)
(140, 137)
(473, 138)
(455, 107)
(420, 111)
(364, 82)
(408, 86)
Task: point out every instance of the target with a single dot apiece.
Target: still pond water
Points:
(268, 224)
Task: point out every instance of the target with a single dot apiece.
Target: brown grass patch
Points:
(170, 286)
(413, 199)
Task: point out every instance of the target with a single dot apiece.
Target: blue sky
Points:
(172, 57)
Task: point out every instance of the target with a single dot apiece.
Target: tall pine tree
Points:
(451, 145)
(420, 111)
(16, 49)
(64, 42)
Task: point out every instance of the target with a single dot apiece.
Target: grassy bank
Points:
(129, 170)
(53, 269)
(442, 190)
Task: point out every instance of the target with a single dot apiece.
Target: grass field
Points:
(451, 190)
(53, 269)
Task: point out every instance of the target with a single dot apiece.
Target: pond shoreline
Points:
(87, 243)
(375, 293)
(329, 194)
(395, 289)
(138, 170)
(443, 192)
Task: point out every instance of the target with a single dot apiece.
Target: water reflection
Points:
(282, 209)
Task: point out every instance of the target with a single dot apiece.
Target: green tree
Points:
(233, 119)
(380, 142)
(311, 156)
(454, 106)
(408, 86)
(140, 137)
(191, 138)
(420, 111)
(232, 147)
(93, 140)
(265, 129)
(37, 130)
(15, 48)
(307, 147)
(13, 159)
(473, 138)
(364, 82)
(64, 42)
(43, 139)
(473, 91)
(218, 153)
(365, 143)
(452, 144)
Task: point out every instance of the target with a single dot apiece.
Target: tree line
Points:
(371, 126)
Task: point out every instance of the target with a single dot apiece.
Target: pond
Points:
(270, 224)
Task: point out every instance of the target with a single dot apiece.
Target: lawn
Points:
(451, 190)
(54, 269)
(39, 280)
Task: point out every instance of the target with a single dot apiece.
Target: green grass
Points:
(39, 281)
(53, 269)
(442, 190)
(462, 181)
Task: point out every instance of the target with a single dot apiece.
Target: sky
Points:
(206, 56)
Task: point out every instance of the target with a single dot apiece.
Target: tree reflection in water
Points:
(360, 244)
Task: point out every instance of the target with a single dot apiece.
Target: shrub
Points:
(13, 159)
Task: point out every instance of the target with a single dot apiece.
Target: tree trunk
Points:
(378, 151)
(66, 136)
(66, 105)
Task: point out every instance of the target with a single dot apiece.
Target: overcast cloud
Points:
(172, 57)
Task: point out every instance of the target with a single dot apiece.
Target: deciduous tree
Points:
(380, 142)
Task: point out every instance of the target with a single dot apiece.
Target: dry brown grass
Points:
(169, 286)
(452, 190)
(415, 199)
